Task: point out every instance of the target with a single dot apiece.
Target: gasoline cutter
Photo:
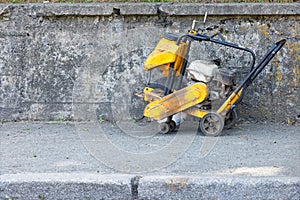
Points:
(207, 83)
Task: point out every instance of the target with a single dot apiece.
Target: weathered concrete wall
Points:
(82, 61)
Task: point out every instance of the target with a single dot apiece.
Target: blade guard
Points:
(177, 101)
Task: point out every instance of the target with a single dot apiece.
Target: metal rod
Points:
(259, 67)
(200, 37)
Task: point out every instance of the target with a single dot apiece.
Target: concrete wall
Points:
(82, 61)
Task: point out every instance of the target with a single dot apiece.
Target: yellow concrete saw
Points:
(207, 83)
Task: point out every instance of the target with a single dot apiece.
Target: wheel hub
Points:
(211, 124)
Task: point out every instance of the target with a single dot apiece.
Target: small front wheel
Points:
(211, 124)
(164, 128)
(172, 126)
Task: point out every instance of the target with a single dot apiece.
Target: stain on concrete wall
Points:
(84, 62)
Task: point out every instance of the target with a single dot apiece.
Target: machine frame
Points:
(211, 122)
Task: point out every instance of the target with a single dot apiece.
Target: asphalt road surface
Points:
(129, 160)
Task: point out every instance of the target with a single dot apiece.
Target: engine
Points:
(220, 81)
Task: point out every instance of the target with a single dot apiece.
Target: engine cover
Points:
(206, 71)
(202, 70)
(219, 81)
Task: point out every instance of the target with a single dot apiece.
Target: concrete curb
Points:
(64, 186)
(118, 186)
(169, 9)
(219, 188)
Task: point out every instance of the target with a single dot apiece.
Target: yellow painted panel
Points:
(167, 52)
(177, 101)
(196, 112)
(151, 94)
(229, 102)
(180, 57)
(164, 53)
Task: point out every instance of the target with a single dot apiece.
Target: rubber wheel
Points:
(211, 124)
(164, 128)
(172, 126)
(230, 119)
